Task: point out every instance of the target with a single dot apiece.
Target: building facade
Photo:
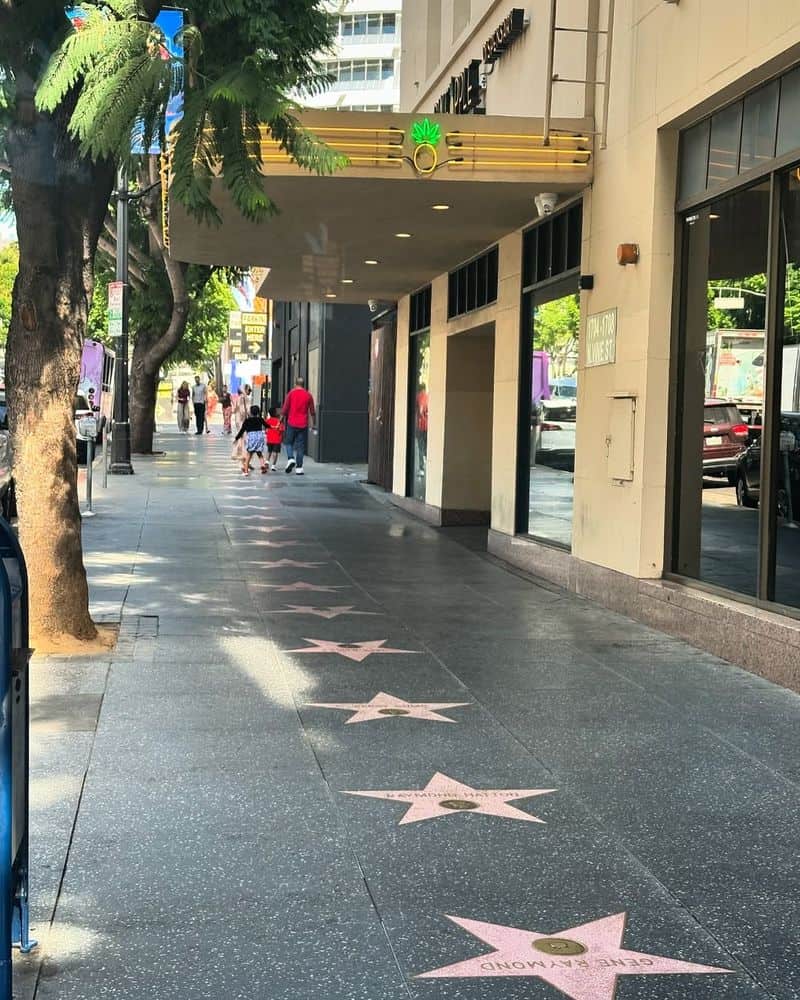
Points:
(365, 61)
(327, 345)
(589, 227)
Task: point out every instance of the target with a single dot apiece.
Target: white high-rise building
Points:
(365, 59)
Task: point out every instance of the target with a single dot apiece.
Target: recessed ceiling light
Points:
(440, 208)
(370, 261)
(330, 295)
(347, 281)
(403, 236)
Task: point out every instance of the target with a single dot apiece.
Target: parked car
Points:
(8, 499)
(748, 472)
(725, 436)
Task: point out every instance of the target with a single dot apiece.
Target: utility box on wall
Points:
(621, 437)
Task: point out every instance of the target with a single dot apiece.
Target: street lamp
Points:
(121, 431)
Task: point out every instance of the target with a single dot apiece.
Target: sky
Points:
(7, 232)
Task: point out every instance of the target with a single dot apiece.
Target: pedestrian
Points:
(199, 398)
(252, 430)
(240, 414)
(298, 409)
(183, 407)
(274, 437)
(213, 399)
(227, 409)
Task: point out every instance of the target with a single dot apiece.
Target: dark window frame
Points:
(474, 284)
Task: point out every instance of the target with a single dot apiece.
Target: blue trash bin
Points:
(14, 754)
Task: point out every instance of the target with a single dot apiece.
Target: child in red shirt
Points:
(274, 425)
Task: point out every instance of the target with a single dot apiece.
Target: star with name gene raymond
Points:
(583, 962)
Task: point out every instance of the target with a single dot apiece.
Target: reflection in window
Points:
(787, 486)
(418, 414)
(553, 415)
(723, 157)
(721, 391)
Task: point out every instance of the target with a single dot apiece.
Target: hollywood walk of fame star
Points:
(582, 962)
(333, 612)
(264, 543)
(443, 796)
(386, 706)
(301, 585)
(280, 563)
(357, 651)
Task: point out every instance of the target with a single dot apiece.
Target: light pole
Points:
(121, 435)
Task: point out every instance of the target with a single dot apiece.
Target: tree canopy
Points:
(9, 263)
(241, 62)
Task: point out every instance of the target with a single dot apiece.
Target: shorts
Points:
(254, 442)
(273, 449)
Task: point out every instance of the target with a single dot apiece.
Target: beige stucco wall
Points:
(672, 63)
(518, 82)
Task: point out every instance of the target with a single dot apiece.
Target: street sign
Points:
(254, 332)
(601, 338)
(116, 298)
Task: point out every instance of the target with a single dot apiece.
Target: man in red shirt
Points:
(298, 409)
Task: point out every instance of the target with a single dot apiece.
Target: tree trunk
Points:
(152, 349)
(59, 202)
(143, 394)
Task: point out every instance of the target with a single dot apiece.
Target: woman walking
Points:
(183, 408)
(227, 410)
(241, 412)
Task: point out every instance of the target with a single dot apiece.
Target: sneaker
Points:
(273, 467)
(299, 472)
(290, 465)
(264, 468)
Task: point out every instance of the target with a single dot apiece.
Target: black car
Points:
(748, 471)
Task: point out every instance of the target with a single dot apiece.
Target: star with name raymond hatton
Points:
(444, 796)
(333, 612)
(301, 585)
(357, 651)
(582, 962)
(386, 706)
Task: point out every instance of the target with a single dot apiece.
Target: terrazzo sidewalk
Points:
(338, 754)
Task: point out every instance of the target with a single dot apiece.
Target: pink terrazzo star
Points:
(444, 796)
(333, 612)
(280, 563)
(357, 651)
(582, 962)
(386, 706)
(301, 585)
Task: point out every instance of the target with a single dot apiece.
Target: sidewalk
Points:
(543, 767)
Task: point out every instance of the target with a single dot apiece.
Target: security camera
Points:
(373, 305)
(546, 203)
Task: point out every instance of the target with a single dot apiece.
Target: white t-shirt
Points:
(198, 393)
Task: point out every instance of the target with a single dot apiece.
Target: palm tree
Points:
(70, 97)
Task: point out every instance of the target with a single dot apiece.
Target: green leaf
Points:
(426, 131)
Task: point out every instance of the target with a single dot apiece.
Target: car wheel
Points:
(743, 498)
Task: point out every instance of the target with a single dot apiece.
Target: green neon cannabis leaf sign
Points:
(426, 132)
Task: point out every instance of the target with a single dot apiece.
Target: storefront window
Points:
(553, 344)
(418, 414)
(721, 388)
(787, 477)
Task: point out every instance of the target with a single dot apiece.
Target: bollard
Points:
(105, 460)
(89, 468)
